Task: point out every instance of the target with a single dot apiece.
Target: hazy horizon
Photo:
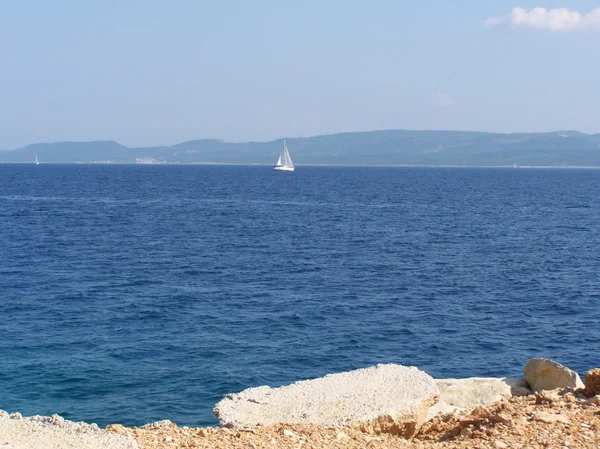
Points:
(152, 73)
(299, 137)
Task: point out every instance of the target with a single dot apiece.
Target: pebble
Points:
(342, 436)
(466, 432)
(550, 418)
(290, 434)
(116, 428)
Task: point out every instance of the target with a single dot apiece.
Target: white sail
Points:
(287, 159)
(284, 163)
(36, 160)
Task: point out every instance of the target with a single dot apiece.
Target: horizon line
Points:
(256, 164)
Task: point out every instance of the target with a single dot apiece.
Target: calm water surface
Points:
(136, 293)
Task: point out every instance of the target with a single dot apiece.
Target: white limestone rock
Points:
(460, 396)
(380, 399)
(54, 432)
(545, 374)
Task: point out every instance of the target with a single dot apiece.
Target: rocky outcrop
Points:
(592, 382)
(55, 432)
(380, 399)
(460, 396)
(516, 423)
(546, 374)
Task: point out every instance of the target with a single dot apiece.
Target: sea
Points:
(135, 293)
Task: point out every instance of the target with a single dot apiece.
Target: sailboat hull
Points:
(282, 168)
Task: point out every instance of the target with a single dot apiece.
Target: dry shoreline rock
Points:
(546, 374)
(592, 382)
(519, 422)
(380, 399)
(460, 396)
(54, 432)
(547, 418)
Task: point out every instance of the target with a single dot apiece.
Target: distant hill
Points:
(392, 147)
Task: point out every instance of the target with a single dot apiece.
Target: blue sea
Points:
(136, 293)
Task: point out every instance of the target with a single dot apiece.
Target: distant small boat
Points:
(36, 160)
(284, 163)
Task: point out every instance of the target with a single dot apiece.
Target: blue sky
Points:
(148, 72)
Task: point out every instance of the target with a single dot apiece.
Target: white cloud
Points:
(558, 19)
(441, 100)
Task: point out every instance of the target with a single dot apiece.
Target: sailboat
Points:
(284, 163)
(36, 160)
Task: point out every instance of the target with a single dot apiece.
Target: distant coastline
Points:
(373, 148)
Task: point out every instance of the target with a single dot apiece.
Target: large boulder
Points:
(380, 399)
(546, 374)
(592, 382)
(460, 396)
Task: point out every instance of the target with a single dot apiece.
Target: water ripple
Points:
(132, 294)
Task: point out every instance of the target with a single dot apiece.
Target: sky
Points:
(149, 72)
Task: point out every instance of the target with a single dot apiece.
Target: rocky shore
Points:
(387, 406)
